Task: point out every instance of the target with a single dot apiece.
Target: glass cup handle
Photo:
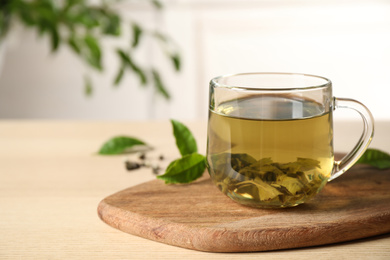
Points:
(365, 139)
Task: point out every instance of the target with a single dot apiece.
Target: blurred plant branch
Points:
(82, 26)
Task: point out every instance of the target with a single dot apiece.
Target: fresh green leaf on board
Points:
(119, 145)
(376, 158)
(185, 141)
(185, 169)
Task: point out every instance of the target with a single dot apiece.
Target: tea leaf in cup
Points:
(293, 185)
(262, 191)
(242, 177)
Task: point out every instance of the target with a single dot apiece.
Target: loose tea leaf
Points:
(263, 191)
(244, 178)
(119, 145)
(185, 169)
(376, 158)
(185, 141)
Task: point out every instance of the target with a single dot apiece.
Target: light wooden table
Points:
(51, 182)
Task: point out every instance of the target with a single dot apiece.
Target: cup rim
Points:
(214, 81)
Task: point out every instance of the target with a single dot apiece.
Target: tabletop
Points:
(52, 180)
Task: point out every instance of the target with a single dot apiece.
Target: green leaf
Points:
(185, 141)
(89, 17)
(119, 145)
(185, 170)
(376, 158)
(94, 52)
(157, 4)
(158, 84)
(127, 60)
(74, 44)
(25, 13)
(176, 61)
(124, 56)
(160, 36)
(55, 39)
(112, 25)
(71, 3)
(120, 74)
(88, 89)
(137, 32)
(5, 19)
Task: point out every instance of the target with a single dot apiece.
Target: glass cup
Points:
(270, 137)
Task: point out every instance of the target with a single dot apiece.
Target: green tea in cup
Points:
(270, 137)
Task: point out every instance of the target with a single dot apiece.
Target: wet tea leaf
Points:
(232, 163)
(293, 185)
(308, 164)
(185, 169)
(263, 191)
(119, 145)
(185, 141)
(292, 167)
(239, 160)
(376, 158)
(244, 178)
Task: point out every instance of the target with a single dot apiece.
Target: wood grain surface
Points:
(51, 184)
(198, 216)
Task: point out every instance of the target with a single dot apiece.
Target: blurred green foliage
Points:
(82, 26)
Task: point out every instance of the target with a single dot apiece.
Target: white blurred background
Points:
(345, 41)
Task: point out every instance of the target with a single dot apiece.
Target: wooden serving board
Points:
(198, 216)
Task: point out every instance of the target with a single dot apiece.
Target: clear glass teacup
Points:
(270, 137)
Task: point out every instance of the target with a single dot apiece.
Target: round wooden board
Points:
(198, 216)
